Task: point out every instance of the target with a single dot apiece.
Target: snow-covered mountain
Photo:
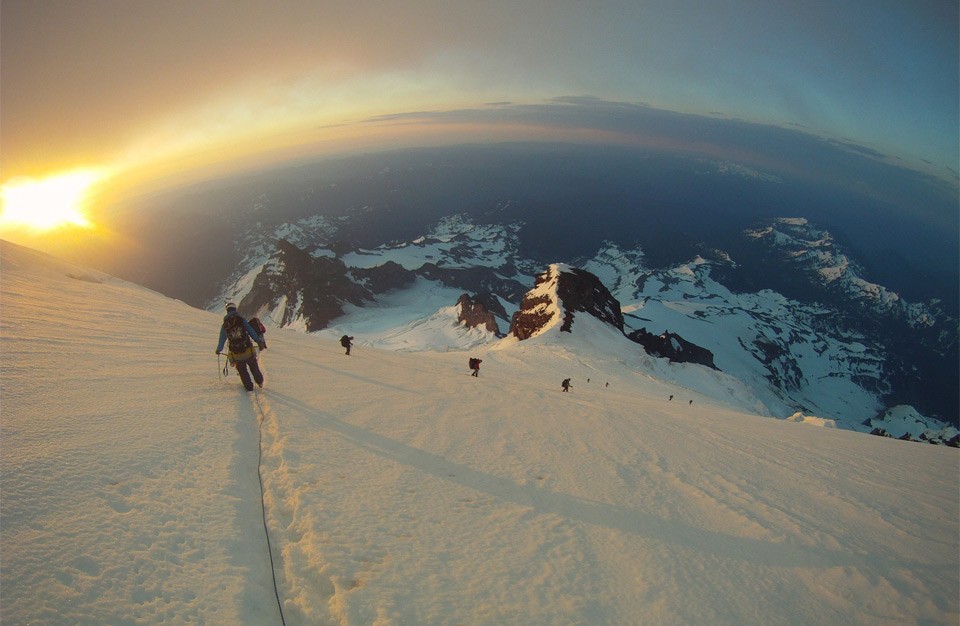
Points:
(823, 262)
(789, 350)
(558, 296)
(308, 286)
(562, 293)
(140, 486)
(819, 355)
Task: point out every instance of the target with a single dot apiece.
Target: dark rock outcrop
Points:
(672, 346)
(531, 318)
(582, 292)
(383, 278)
(783, 370)
(314, 288)
(535, 311)
(477, 280)
(475, 311)
(569, 291)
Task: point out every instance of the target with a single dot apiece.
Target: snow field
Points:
(587, 498)
(401, 490)
(124, 498)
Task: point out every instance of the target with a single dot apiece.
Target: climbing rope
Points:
(263, 504)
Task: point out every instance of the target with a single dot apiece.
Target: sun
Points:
(47, 204)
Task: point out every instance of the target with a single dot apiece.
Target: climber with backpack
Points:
(475, 366)
(346, 341)
(240, 335)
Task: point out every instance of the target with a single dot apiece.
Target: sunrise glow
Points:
(49, 203)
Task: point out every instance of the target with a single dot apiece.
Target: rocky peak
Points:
(293, 285)
(475, 311)
(558, 295)
(582, 292)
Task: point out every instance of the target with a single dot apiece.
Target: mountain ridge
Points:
(812, 357)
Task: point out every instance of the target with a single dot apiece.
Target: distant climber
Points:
(241, 355)
(345, 341)
(475, 366)
(607, 385)
(670, 398)
(689, 403)
(565, 384)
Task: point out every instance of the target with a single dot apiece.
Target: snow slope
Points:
(401, 490)
(780, 348)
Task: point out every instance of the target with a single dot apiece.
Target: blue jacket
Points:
(253, 334)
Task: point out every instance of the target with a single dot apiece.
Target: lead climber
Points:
(241, 337)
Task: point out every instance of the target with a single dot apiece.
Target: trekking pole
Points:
(219, 375)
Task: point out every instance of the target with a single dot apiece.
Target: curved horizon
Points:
(146, 90)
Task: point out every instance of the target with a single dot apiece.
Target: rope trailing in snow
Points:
(263, 504)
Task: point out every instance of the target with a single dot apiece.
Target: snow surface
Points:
(902, 419)
(401, 490)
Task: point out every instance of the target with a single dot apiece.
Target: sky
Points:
(137, 90)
